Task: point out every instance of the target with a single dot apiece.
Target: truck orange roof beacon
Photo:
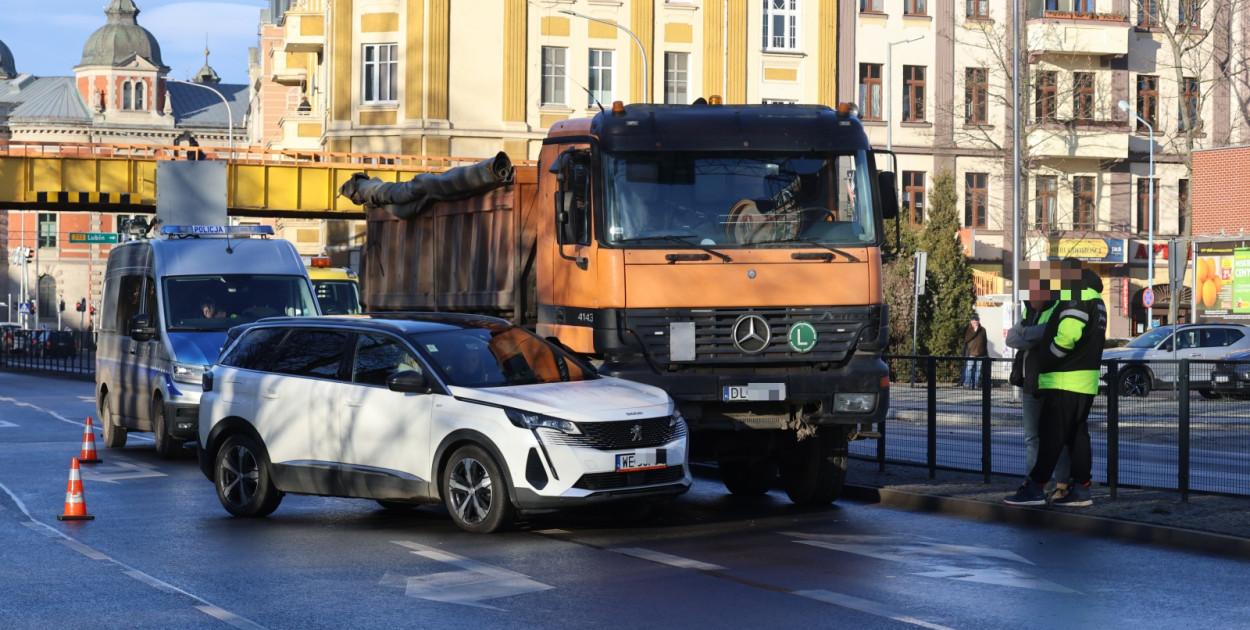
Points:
(730, 254)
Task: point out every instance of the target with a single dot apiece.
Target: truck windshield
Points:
(338, 297)
(743, 200)
(217, 302)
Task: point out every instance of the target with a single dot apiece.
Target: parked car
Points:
(52, 343)
(1231, 375)
(1149, 362)
(482, 416)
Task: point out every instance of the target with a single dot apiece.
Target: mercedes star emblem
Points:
(751, 334)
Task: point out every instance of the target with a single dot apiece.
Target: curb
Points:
(1176, 537)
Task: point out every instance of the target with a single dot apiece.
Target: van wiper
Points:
(811, 241)
(678, 238)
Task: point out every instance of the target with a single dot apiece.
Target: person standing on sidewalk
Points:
(1070, 358)
(975, 345)
(1024, 336)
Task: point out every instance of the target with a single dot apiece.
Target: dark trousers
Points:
(1064, 422)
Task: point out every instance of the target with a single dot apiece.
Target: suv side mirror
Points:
(141, 328)
(409, 382)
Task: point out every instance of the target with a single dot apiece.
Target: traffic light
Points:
(30, 255)
(62, 305)
(91, 311)
(81, 305)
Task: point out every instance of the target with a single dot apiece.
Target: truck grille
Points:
(615, 481)
(837, 331)
(607, 436)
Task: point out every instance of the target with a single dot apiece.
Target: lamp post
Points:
(646, 81)
(1150, 211)
(889, 102)
(229, 113)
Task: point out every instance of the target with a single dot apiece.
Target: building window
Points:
(47, 229)
(978, 9)
(1147, 13)
(47, 296)
(1044, 97)
(1188, 105)
(781, 24)
(1190, 13)
(1147, 101)
(870, 90)
(1182, 206)
(913, 195)
(872, 6)
(1047, 203)
(976, 96)
(676, 78)
(381, 73)
(138, 94)
(1144, 206)
(1083, 6)
(913, 98)
(1083, 208)
(553, 76)
(126, 94)
(1083, 96)
(915, 7)
(976, 200)
(600, 79)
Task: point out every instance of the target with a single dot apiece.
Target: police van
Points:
(167, 304)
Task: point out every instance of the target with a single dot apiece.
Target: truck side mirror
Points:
(141, 328)
(889, 195)
(572, 210)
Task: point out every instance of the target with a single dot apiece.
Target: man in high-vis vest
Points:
(1070, 361)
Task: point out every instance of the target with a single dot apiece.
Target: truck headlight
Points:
(854, 403)
(190, 373)
(530, 420)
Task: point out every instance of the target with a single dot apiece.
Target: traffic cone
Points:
(88, 445)
(75, 504)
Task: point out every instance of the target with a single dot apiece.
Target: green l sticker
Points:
(802, 337)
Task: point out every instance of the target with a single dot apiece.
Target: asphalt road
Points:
(161, 553)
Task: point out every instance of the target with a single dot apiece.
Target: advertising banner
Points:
(1222, 281)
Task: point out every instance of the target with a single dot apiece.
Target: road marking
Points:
(475, 582)
(865, 606)
(664, 558)
(118, 468)
(228, 617)
(22, 403)
(7, 425)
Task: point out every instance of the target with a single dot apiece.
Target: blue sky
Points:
(47, 36)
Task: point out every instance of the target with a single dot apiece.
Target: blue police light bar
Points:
(217, 230)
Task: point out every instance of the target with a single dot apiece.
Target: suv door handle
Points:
(271, 394)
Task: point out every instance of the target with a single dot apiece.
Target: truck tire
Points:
(815, 468)
(748, 478)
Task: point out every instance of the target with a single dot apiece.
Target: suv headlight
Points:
(190, 373)
(531, 420)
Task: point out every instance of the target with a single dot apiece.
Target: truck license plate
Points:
(641, 459)
(754, 392)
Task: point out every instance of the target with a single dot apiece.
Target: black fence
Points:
(69, 353)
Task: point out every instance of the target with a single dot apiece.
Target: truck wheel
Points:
(166, 445)
(815, 470)
(749, 478)
(114, 436)
(475, 492)
(241, 474)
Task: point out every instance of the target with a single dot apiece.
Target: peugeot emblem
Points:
(635, 433)
(751, 334)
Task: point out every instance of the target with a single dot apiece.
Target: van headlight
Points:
(190, 373)
(530, 420)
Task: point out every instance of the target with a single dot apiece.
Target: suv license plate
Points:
(641, 459)
(1221, 378)
(753, 392)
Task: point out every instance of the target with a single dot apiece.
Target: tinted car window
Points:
(377, 357)
(1213, 338)
(498, 356)
(1232, 336)
(255, 350)
(314, 353)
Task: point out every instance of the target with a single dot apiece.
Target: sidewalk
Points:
(1214, 524)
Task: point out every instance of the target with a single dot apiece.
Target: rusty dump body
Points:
(729, 254)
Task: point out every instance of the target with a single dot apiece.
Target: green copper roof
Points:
(8, 69)
(120, 39)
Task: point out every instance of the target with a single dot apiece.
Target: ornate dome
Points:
(8, 69)
(121, 38)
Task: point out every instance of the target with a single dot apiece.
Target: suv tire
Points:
(1135, 382)
(475, 491)
(241, 474)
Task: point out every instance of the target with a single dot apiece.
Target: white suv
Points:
(1149, 361)
(470, 411)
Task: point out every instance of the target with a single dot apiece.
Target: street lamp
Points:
(889, 100)
(229, 113)
(1150, 211)
(646, 82)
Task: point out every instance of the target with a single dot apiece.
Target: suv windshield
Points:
(738, 199)
(218, 302)
(499, 356)
(1151, 339)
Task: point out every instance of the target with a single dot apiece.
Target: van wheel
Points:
(241, 474)
(475, 492)
(166, 445)
(114, 436)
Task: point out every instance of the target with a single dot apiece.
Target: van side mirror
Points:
(889, 195)
(141, 328)
(409, 382)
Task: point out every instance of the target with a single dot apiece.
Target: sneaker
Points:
(1029, 493)
(1077, 496)
(1058, 491)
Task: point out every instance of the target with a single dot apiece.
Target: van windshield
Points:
(218, 302)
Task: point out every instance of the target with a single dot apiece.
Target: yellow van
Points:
(337, 290)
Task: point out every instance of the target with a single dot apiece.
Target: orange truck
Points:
(728, 254)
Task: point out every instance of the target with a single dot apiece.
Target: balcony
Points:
(1077, 33)
(301, 130)
(1103, 140)
(305, 24)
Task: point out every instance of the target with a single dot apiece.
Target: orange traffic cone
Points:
(75, 504)
(88, 445)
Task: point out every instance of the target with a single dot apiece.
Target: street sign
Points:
(93, 237)
(1148, 297)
